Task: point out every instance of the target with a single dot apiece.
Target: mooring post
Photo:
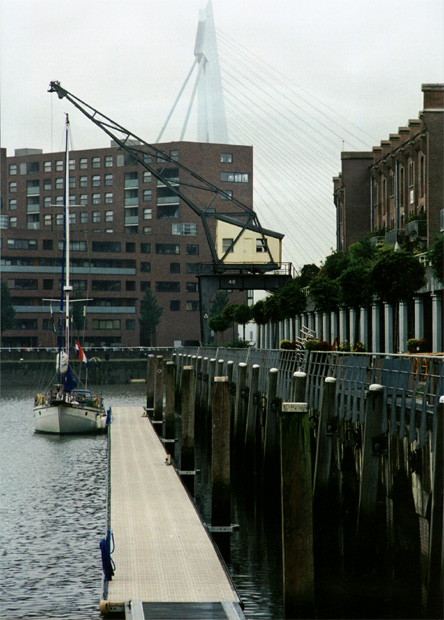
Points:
(297, 511)
(198, 380)
(158, 394)
(170, 406)
(188, 417)
(271, 431)
(220, 368)
(327, 429)
(435, 594)
(240, 407)
(211, 375)
(204, 390)
(374, 445)
(298, 385)
(220, 454)
(230, 369)
(250, 431)
(150, 384)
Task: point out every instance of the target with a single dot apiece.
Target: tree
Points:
(291, 299)
(397, 276)
(150, 313)
(7, 309)
(258, 314)
(354, 286)
(219, 323)
(219, 302)
(308, 272)
(436, 258)
(324, 293)
(242, 315)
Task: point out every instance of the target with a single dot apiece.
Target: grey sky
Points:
(365, 59)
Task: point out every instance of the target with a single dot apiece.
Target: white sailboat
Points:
(66, 406)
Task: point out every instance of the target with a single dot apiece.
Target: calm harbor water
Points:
(53, 515)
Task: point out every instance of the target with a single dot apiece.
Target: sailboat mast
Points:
(67, 285)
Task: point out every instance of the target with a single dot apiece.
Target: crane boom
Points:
(138, 149)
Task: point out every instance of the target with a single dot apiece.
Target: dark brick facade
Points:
(126, 229)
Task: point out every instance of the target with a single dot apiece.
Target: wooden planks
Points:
(162, 551)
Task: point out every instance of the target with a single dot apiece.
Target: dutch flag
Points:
(80, 353)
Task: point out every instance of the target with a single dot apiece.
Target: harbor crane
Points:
(222, 273)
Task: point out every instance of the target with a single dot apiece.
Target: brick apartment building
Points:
(129, 232)
(397, 189)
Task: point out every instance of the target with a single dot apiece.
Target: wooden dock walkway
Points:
(166, 564)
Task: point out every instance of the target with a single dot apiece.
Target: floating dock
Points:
(166, 565)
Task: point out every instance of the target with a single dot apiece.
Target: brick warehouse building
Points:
(129, 232)
(397, 189)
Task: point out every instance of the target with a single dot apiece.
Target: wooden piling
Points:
(372, 449)
(204, 390)
(297, 511)
(240, 408)
(211, 375)
(271, 466)
(158, 392)
(188, 427)
(150, 384)
(170, 406)
(250, 431)
(436, 541)
(220, 454)
(298, 385)
(327, 429)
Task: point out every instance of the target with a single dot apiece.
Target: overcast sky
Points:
(365, 59)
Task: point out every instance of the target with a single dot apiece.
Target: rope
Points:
(107, 562)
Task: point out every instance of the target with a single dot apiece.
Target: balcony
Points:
(394, 236)
(416, 229)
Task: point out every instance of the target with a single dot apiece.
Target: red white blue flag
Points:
(81, 353)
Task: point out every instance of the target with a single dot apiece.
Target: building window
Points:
(147, 230)
(226, 245)
(12, 186)
(147, 158)
(174, 267)
(109, 198)
(130, 246)
(147, 177)
(109, 216)
(131, 179)
(167, 248)
(113, 324)
(47, 202)
(95, 199)
(47, 166)
(12, 169)
(106, 285)
(95, 217)
(59, 183)
(47, 185)
(13, 204)
(59, 201)
(147, 213)
(83, 181)
(96, 180)
(192, 306)
(32, 204)
(33, 221)
(84, 217)
(47, 219)
(145, 248)
(106, 246)
(187, 229)
(192, 249)
(147, 195)
(130, 285)
(31, 167)
(235, 177)
(108, 161)
(59, 165)
(174, 155)
(226, 158)
(168, 287)
(131, 197)
(72, 164)
(192, 287)
(74, 246)
(166, 212)
(227, 195)
(59, 219)
(108, 179)
(175, 305)
(28, 324)
(83, 163)
(145, 267)
(48, 284)
(95, 162)
(13, 222)
(261, 245)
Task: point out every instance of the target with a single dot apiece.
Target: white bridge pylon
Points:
(211, 118)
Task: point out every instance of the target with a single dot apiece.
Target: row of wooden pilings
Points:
(332, 546)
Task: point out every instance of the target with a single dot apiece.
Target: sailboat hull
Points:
(66, 418)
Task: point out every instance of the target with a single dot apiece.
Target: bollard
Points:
(170, 409)
(158, 393)
(220, 454)
(232, 390)
(375, 438)
(297, 511)
(204, 391)
(198, 381)
(271, 431)
(240, 408)
(298, 385)
(188, 417)
(220, 368)
(211, 375)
